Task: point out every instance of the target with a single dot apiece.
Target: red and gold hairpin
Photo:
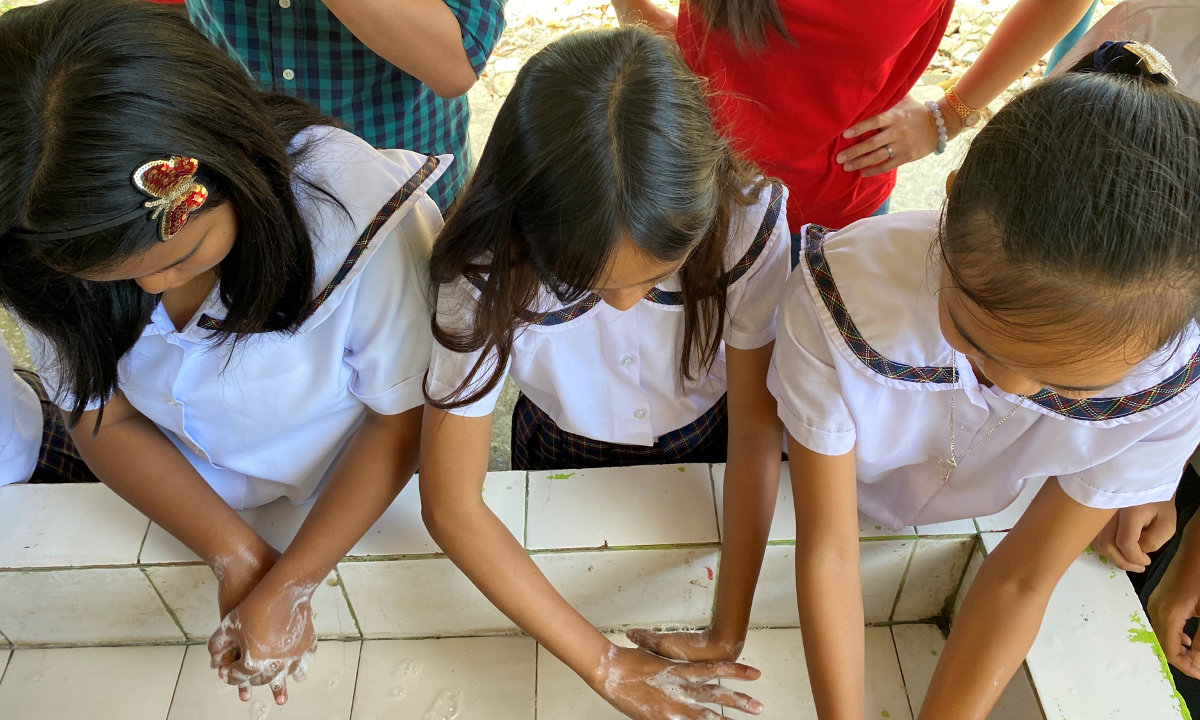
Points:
(176, 194)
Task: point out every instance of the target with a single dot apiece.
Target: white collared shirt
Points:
(271, 421)
(613, 375)
(883, 389)
(20, 424)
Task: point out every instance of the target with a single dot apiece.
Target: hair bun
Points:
(1133, 58)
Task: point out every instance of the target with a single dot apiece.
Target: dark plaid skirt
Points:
(58, 461)
(539, 444)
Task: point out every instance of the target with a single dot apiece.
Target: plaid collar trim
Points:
(1090, 409)
(385, 213)
(656, 295)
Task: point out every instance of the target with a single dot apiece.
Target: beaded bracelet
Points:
(940, 123)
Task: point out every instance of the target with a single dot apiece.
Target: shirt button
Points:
(289, 74)
(285, 4)
(626, 360)
(640, 413)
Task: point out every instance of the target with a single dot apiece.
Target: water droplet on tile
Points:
(406, 670)
(37, 677)
(445, 706)
(332, 683)
(259, 710)
(398, 692)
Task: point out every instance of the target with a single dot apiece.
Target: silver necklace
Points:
(951, 462)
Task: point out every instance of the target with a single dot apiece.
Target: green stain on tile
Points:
(885, 713)
(933, 652)
(562, 476)
(1112, 574)
(1103, 559)
(878, 527)
(681, 469)
(1142, 635)
(1088, 550)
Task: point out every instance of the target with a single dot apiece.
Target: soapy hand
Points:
(239, 573)
(644, 686)
(264, 639)
(1135, 531)
(688, 646)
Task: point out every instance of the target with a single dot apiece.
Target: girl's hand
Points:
(647, 687)
(632, 12)
(907, 129)
(687, 646)
(238, 574)
(267, 637)
(1134, 531)
(1174, 602)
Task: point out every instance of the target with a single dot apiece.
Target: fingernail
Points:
(841, 158)
(848, 134)
(756, 707)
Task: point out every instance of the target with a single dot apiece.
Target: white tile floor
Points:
(402, 626)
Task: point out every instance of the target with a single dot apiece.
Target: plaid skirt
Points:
(58, 461)
(540, 444)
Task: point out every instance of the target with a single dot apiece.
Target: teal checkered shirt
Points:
(300, 48)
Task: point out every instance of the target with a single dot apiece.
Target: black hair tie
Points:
(1133, 58)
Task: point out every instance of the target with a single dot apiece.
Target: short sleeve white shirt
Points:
(20, 424)
(270, 421)
(613, 375)
(860, 364)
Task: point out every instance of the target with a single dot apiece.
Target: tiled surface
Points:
(418, 598)
(276, 522)
(973, 565)
(1006, 518)
(400, 531)
(920, 646)
(784, 689)
(563, 694)
(190, 591)
(131, 683)
(326, 694)
(448, 679)
(112, 605)
(620, 507)
(954, 527)
(933, 576)
(42, 526)
(635, 587)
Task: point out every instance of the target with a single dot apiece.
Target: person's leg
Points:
(1064, 46)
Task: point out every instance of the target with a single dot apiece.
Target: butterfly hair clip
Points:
(172, 184)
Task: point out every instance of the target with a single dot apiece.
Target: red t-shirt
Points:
(786, 106)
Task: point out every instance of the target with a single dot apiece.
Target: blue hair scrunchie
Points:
(1133, 58)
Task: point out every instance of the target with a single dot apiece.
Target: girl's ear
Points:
(950, 180)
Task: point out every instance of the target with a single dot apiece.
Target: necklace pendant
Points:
(950, 464)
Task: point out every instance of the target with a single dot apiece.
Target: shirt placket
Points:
(630, 408)
(284, 56)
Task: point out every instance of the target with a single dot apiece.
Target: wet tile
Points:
(124, 683)
(448, 678)
(784, 688)
(881, 562)
(67, 525)
(191, 593)
(933, 576)
(619, 507)
(327, 694)
(106, 605)
(418, 598)
(920, 646)
(401, 531)
(616, 588)
(1006, 518)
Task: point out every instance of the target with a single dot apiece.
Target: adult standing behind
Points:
(396, 73)
(800, 83)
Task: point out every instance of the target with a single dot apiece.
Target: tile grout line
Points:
(537, 665)
(912, 712)
(174, 690)
(712, 485)
(163, 600)
(349, 605)
(4, 670)
(142, 545)
(912, 554)
(357, 671)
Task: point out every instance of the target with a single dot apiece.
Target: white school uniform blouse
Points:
(613, 376)
(20, 424)
(860, 364)
(271, 421)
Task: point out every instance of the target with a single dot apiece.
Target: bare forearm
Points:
(376, 464)
(992, 634)
(831, 621)
(421, 37)
(1027, 32)
(139, 463)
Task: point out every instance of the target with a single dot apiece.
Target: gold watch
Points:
(969, 115)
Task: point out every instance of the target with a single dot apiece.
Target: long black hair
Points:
(746, 21)
(604, 132)
(89, 91)
(1088, 186)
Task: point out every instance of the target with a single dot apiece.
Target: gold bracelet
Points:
(969, 115)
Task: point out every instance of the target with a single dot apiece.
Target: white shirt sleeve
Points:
(804, 379)
(20, 424)
(448, 369)
(1144, 472)
(752, 301)
(389, 341)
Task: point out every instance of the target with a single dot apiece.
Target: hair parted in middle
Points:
(604, 133)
